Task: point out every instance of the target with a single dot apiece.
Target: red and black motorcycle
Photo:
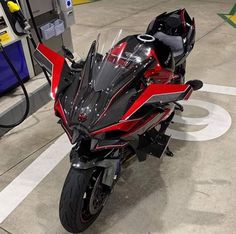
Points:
(117, 105)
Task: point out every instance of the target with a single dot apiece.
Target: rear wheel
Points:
(82, 198)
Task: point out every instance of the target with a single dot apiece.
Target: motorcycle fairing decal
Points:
(43, 61)
(183, 20)
(165, 98)
(158, 93)
(57, 62)
(136, 129)
(151, 122)
(58, 108)
(122, 126)
(188, 94)
(119, 144)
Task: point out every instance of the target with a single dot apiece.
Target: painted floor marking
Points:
(22, 185)
(230, 17)
(219, 89)
(14, 193)
(217, 122)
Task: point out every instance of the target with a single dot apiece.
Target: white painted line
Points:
(22, 185)
(219, 89)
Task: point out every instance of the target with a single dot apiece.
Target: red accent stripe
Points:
(110, 146)
(183, 20)
(59, 109)
(141, 125)
(188, 94)
(122, 126)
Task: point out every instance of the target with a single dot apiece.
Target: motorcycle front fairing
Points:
(94, 103)
(110, 86)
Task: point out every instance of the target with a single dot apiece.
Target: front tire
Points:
(82, 199)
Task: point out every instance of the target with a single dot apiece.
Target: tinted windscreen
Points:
(108, 70)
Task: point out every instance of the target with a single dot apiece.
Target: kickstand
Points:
(169, 152)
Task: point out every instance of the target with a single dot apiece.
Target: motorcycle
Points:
(117, 105)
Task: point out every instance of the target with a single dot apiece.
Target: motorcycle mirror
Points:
(195, 84)
(67, 53)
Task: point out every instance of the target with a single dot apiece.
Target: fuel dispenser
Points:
(22, 25)
(15, 44)
(67, 13)
(53, 19)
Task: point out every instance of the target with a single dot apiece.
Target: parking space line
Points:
(22, 185)
(219, 89)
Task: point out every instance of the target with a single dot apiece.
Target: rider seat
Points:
(174, 42)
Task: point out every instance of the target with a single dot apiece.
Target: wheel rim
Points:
(94, 197)
(97, 197)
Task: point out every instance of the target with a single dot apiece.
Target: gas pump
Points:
(19, 33)
(13, 39)
(50, 22)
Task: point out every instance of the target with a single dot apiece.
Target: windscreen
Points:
(110, 68)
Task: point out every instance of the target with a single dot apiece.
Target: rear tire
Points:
(75, 202)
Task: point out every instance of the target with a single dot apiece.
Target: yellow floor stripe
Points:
(232, 18)
(78, 2)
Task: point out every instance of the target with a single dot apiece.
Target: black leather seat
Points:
(174, 42)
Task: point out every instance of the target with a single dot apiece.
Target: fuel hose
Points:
(26, 112)
(8, 60)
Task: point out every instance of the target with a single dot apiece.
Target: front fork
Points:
(110, 162)
(164, 125)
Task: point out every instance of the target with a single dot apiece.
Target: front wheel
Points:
(82, 199)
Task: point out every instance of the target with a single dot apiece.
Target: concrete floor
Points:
(194, 192)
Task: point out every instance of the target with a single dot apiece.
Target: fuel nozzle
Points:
(15, 9)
